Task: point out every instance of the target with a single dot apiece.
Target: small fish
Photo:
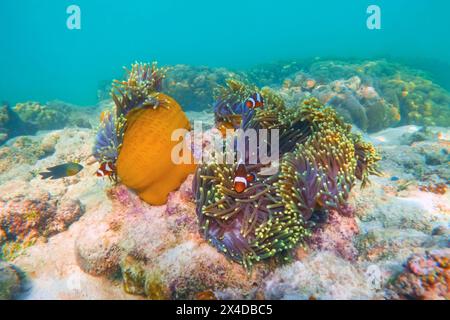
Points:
(251, 177)
(394, 178)
(242, 178)
(62, 171)
(255, 101)
(106, 169)
(104, 115)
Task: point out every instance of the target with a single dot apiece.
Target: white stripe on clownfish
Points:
(108, 168)
(241, 179)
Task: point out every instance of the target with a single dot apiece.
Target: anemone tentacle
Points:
(321, 159)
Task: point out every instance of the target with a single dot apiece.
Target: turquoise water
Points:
(41, 59)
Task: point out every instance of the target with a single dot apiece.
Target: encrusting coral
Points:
(425, 276)
(320, 160)
(40, 116)
(135, 139)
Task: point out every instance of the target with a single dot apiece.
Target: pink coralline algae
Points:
(336, 236)
(28, 215)
(426, 276)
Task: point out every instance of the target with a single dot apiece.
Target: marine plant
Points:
(135, 137)
(321, 159)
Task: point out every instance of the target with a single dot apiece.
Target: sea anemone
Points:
(139, 90)
(320, 162)
(136, 137)
(108, 139)
(247, 226)
(229, 107)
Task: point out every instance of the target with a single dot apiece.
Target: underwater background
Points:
(43, 60)
(93, 205)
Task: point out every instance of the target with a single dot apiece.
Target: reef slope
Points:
(119, 247)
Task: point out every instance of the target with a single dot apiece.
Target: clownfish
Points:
(106, 169)
(242, 178)
(255, 101)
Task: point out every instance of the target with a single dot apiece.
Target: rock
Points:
(193, 87)
(97, 249)
(30, 213)
(440, 230)
(389, 244)
(319, 276)
(163, 255)
(336, 236)
(41, 117)
(425, 276)
(9, 281)
(4, 123)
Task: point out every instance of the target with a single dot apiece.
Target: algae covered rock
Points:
(4, 122)
(9, 281)
(30, 214)
(98, 251)
(319, 276)
(373, 94)
(425, 276)
(41, 117)
(193, 86)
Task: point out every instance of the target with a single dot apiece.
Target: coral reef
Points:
(319, 235)
(420, 100)
(420, 156)
(320, 276)
(320, 161)
(336, 236)
(193, 87)
(4, 119)
(24, 150)
(121, 243)
(28, 214)
(385, 92)
(32, 210)
(157, 249)
(426, 277)
(29, 117)
(40, 116)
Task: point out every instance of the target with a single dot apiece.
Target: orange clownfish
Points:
(255, 101)
(105, 170)
(242, 178)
